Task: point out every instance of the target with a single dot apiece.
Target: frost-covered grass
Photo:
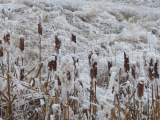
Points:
(93, 60)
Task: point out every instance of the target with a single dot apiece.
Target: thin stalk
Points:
(148, 114)
(9, 91)
(152, 103)
(2, 68)
(119, 116)
(40, 56)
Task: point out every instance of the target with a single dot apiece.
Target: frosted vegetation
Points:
(79, 60)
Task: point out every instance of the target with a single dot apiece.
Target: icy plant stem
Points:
(39, 70)
(141, 110)
(138, 111)
(157, 105)
(16, 65)
(95, 100)
(128, 102)
(22, 61)
(148, 104)
(9, 91)
(152, 103)
(2, 68)
(134, 102)
(40, 56)
(68, 111)
(118, 107)
(47, 108)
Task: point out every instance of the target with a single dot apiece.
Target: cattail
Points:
(21, 44)
(140, 89)
(52, 64)
(94, 69)
(150, 70)
(133, 72)
(109, 67)
(89, 58)
(74, 38)
(6, 38)
(128, 90)
(126, 62)
(80, 83)
(120, 72)
(1, 49)
(1, 52)
(58, 43)
(39, 29)
(21, 74)
(68, 76)
(59, 81)
(156, 75)
(91, 73)
(112, 89)
(74, 63)
(85, 112)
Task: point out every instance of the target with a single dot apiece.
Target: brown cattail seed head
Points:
(150, 70)
(91, 73)
(94, 69)
(140, 89)
(156, 75)
(1, 49)
(74, 63)
(21, 74)
(39, 29)
(21, 44)
(85, 112)
(1, 52)
(68, 75)
(89, 58)
(58, 43)
(126, 62)
(128, 90)
(6, 38)
(52, 64)
(109, 67)
(133, 72)
(74, 38)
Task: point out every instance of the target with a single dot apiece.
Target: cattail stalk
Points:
(148, 107)
(119, 115)
(21, 74)
(40, 47)
(6, 39)
(128, 92)
(152, 103)
(1, 56)
(157, 103)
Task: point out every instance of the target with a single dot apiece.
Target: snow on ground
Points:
(125, 25)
